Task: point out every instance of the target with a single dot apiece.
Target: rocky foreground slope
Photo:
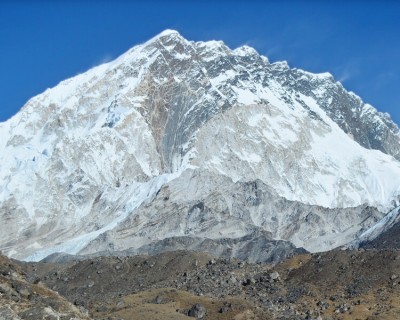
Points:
(352, 284)
(176, 139)
(21, 299)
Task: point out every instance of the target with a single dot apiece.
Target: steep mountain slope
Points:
(180, 138)
(385, 235)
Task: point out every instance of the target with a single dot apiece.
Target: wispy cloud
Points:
(273, 52)
(344, 75)
(346, 72)
(103, 59)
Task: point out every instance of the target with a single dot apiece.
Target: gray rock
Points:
(197, 311)
(6, 313)
(274, 276)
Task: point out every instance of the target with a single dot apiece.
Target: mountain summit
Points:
(178, 140)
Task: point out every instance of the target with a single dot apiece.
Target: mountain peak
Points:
(168, 33)
(191, 135)
(245, 50)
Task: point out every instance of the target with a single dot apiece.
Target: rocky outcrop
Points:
(21, 299)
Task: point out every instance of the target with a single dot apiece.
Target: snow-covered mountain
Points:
(180, 138)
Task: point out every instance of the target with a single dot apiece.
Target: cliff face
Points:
(179, 138)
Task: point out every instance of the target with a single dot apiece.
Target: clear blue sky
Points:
(44, 42)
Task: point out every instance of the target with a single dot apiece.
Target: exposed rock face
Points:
(254, 248)
(250, 248)
(248, 208)
(389, 239)
(179, 138)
